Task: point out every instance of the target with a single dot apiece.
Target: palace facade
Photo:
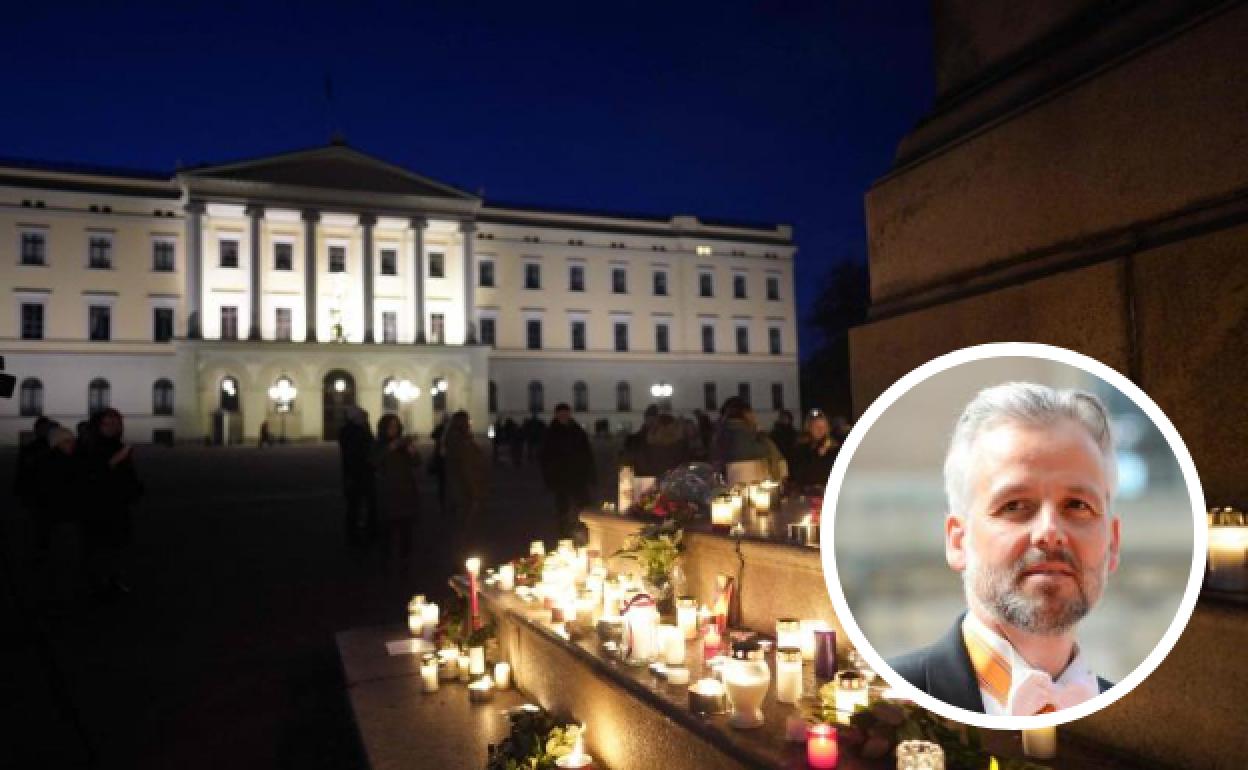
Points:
(184, 300)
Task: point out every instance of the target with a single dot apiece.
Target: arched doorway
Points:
(338, 389)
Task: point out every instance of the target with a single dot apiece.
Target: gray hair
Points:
(1023, 403)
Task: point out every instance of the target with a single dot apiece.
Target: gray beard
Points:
(996, 590)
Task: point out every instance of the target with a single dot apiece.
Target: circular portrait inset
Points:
(1017, 535)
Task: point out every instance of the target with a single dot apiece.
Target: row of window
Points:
(34, 251)
(624, 396)
(701, 251)
(99, 328)
(619, 280)
(99, 395)
(620, 336)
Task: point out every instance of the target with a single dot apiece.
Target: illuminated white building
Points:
(182, 301)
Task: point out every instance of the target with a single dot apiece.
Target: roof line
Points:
(85, 168)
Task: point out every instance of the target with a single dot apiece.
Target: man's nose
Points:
(1046, 531)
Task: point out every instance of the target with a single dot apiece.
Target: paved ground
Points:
(223, 655)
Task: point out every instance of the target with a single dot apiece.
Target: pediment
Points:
(336, 167)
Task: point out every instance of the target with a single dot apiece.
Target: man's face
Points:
(110, 426)
(563, 415)
(1037, 540)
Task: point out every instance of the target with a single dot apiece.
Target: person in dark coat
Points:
(568, 469)
(515, 441)
(437, 465)
(355, 444)
(815, 452)
(784, 435)
(665, 447)
(111, 486)
(534, 432)
(467, 480)
(398, 490)
(738, 439)
(635, 443)
(31, 458)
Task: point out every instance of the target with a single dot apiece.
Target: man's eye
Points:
(1080, 506)
(1014, 506)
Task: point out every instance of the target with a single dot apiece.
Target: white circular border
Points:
(1015, 350)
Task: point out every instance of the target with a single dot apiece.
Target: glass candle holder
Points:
(746, 682)
(823, 750)
(807, 636)
(429, 673)
(825, 654)
(788, 632)
(920, 755)
(851, 694)
(507, 577)
(537, 548)
(706, 696)
(1227, 567)
(723, 512)
(687, 616)
(788, 674)
(1040, 743)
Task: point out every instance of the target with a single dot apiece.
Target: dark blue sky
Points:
(766, 111)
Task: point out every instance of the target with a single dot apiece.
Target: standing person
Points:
(706, 432)
(740, 440)
(31, 458)
(534, 430)
(815, 453)
(467, 480)
(567, 462)
(635, 443)
(784, 435)
(515, 441)
(355, 441)
(111, 486)
(437, 465)
(398, 491)
(665, 446)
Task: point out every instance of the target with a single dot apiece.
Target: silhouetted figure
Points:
(534, 432)
(437, 464)
(738, 439)
(266, 436)
(398, 491)
(31, 459)
(111, 486)
(784, 435)
(567, 463)
(515, 441)
(706, 432)
(635, 443)
(665, 446)
(355, 441)
(815, 453)
(467, 477)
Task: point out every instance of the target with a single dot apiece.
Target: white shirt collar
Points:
(1076, 672)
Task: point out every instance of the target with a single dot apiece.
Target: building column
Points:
(418, 225)
(367, 221)
(310, 219)
(256, 214)
(468, 230)
(194, 269)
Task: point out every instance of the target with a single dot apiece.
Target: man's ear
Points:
(955, 541)
(1115, 527)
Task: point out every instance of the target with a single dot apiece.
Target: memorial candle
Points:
(537, 548)
(429, 613)
(788, 633)
(1040, 743)
(825, 654)
(673, 641)
(465, 668)
(507, 577)
(502, 674)
(723, 513)
(577, 759)
(1227, 566)
(711, 643)
(687, 616)
(920, 755)
(808, 629)
(822, 748)
(476, 661)
(788, 674)
(429, 673)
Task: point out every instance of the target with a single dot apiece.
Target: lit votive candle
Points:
(416, 622)
(673, 641)
(502, 675)
(1227, 567)
(507, 577)
(723, 511)
(687, 616)
(576, 759)
(825, 654)
(429, 619)
(808, 629)
(677, 675)
(788, 674)
(760, 498)
(429, 673)
(822, 749)
(851, 693)
(537, 548)
(788, 632)
(476, 661)
(481, 690)
(711, 643)
(707, 696)
(1040, 743)
(920, 755)
(465, 668)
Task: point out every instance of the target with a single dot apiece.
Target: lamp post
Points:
(282, 394)
(663, 392)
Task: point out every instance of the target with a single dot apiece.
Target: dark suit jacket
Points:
(943, 671)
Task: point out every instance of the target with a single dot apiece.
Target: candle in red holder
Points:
(474, 569)
(822, 750)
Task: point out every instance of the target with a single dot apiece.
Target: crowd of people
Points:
(82, 482)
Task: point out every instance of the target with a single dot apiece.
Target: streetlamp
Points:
(402, 390)
(282, 394)
(663, 392)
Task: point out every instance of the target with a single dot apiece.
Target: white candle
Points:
(1228, 557)
(416, 622)
(502, 674)
(761, 499)
(473, 566)
(723, 513)
(476, 661)
(537, 548)
(507, 577)
(415, 603)
(1040, 743)
(746, 682)
(687, 616)
(851, 693)
(808, 628)
(673, 641)
(788, 674)
(430, 619)
(429, 674)
(641, 624)
(465, 668)
(788, 633)
(677, 675)
(481, 690)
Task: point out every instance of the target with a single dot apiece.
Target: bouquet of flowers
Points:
(535, 742)
(528, 569)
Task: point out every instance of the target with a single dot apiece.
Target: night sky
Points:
(763, 112)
